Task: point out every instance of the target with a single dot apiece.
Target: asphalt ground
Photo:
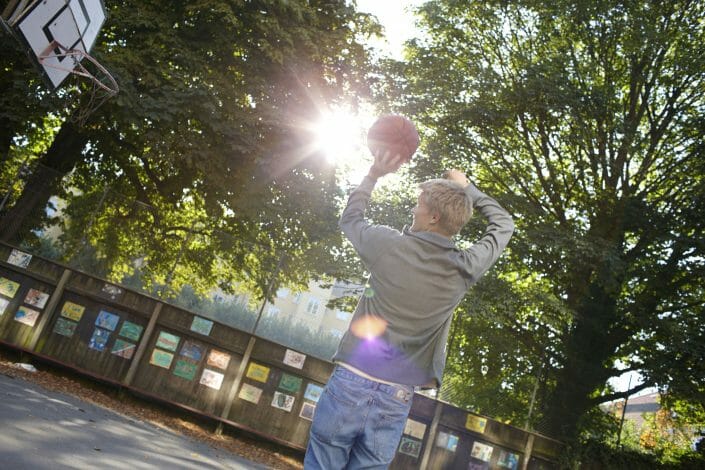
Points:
(41, 429)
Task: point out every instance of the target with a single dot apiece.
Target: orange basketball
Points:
(395, 134)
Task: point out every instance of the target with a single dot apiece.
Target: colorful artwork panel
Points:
(442, 439)
(161, 358)
(410, 447)
(185, 369)
(99, 339)
(27, 316)
(72, 311)
(307, 411)
(447, 441)
(283, 401)
(294, 359)
(8, 287)
(130, 330)
(250, 393)
(4, 304)
(218, 359)
(212, 379)
(65, 327)
(476, 423)
(481, 451)
(123, 348)
(19, 258)
(508, 460)
(452, 442)
(313, 392)
(36, 298)
(201, 325)
(257, 372)
(167, 341)
(290, 383)
(107, 320)
(414, 429)
(192, 350)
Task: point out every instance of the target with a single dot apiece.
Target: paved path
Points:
(40, 430)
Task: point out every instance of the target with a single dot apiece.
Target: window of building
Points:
(297, 298)
(313, 304)
(340, 315)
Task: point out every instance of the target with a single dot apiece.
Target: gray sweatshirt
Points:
(416, 281)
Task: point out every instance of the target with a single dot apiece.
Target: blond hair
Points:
(449, 200)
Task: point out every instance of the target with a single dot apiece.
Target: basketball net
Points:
(92, 83)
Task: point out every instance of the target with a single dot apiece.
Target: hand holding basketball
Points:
(393, 134)
(384, 164)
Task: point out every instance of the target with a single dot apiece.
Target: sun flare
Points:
(340, 135)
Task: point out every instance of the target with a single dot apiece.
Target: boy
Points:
(397, 337)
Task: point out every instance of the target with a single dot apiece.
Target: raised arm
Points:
(367, 239)
(500, 227)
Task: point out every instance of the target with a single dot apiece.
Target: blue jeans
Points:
(357, 424)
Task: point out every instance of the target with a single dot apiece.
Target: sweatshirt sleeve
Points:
(485, 252)
(367, 239)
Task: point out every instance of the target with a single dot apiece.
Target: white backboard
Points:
(74, 24)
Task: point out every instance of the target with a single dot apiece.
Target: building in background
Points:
(639, 407)
(653, 425)
(310, 307)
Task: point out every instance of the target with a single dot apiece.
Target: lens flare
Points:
(339, 135)
(368, 327)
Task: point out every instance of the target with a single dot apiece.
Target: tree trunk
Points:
(5, 141)
(29, 210)
(589, 346)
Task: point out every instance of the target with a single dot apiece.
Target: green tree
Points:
(585, 119)
(670, 432)
(24, 101)
(205, 151)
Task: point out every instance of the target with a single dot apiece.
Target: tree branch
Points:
(620, 395)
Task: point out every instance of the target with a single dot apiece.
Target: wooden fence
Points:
(155, 349)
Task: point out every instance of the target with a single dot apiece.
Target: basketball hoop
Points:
(58, 35)
(100, 83)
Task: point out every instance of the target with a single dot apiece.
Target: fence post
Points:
(527, 425)
(49, 310)
(528, 449)
(248, 351)
(432, 431)
(143, 345)
(236, 384)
